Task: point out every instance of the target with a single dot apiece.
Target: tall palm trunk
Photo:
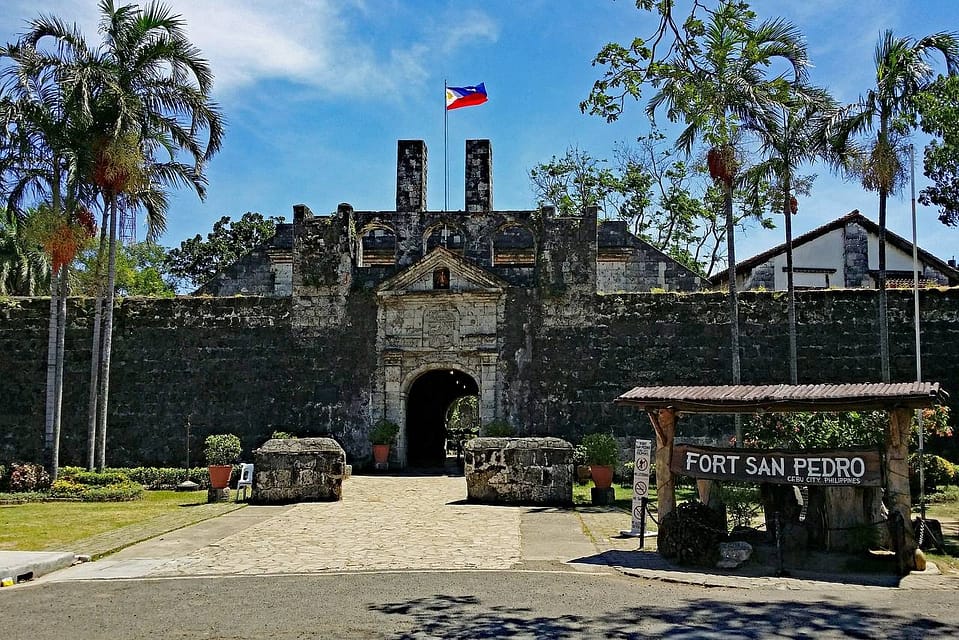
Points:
(883, 305)
(64, 286)
(95, 357)
(733, 295)
(107, 338)
(790, 288)
(733, 298)
(50, 405)
(55, 342)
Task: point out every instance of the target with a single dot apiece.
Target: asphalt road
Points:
(493, 604)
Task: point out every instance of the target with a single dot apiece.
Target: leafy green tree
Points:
(887, 111)
(197, 260)
(938, 110)
(139, 271)
(665, 200)
(577, 181)
(712, 75)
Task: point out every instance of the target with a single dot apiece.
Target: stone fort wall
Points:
(245, 365)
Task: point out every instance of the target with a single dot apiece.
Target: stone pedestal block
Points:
(602, 497)
(217, 495)
(519, 471)
(298, 470)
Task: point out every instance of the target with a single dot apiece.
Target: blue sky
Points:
(317, 92)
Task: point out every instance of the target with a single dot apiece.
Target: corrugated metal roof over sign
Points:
(786, 397)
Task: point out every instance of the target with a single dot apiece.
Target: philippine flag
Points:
(457, 97)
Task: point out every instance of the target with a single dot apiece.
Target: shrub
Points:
(938, 472)
(742, 503)
(3, 477)
(100, 479)
(384, 432)
(27, 476)
(66, 488)
(113, 493)
(947, 495)
(166, 477)
(117, 492)
(282, 435)
(22, 497)
(499, 429)
(601, 449)
(222, 449)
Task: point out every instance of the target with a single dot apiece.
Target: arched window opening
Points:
(446, 236)
(513, 246)
(377, 248)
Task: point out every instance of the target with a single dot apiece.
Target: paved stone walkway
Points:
(397, 523)
(382, 523)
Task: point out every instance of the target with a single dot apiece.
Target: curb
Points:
(23, 566)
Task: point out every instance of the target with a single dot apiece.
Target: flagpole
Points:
(446, 159)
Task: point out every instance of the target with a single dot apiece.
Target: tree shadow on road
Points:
(462, 617)
(653, 561)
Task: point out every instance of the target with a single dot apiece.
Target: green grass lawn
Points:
(948, 515)
(39, 525)
(624, 495)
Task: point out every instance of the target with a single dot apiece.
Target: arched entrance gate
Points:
(428, 401)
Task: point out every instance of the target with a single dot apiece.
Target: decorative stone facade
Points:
(298, 470)
(519, 471)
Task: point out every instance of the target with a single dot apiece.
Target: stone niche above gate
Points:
(519, 471)
(298, 470)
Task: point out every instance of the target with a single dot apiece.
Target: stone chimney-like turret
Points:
(479, 176)
(410, 175)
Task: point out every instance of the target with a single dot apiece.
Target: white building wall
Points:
(824, 252)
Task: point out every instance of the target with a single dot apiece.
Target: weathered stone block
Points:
(519, 470)
(298, 470)
(732, 555)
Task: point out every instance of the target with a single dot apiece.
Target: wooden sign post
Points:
(641, 467)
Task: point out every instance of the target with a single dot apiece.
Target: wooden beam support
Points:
(897, 485)
(664, 424)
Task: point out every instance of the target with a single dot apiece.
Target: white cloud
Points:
(342, 47)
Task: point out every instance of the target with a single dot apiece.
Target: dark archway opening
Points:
(427, 403)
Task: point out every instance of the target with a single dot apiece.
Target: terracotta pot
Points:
(602, 475)
(381, 453)
(220, 475)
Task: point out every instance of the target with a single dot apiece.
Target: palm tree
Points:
(716, 86)
(903, 70)
(153, 98)
(42, 121)
(791, 135)
(24, 270)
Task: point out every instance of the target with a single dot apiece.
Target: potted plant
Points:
(602, 452)
(382, 436)
(581, 464)
(221, 451)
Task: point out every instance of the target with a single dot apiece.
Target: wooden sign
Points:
(835, 467)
